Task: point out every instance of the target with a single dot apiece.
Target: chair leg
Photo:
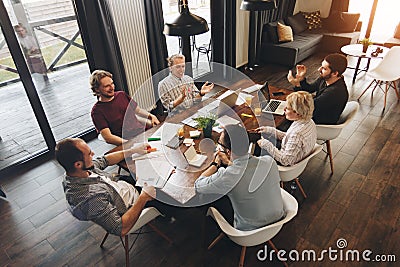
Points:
(155, 229)
(216, 240)
(197, 62)
(242, 255)
(329, 150)
(126, 250)
(395, 89)
(276, 250)
(366, 89)
(386, 91)
(104, 240)
(300, 187)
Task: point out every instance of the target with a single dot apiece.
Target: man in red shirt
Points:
(109, 111)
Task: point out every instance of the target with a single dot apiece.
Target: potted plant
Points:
(365, 43)
(206, 123)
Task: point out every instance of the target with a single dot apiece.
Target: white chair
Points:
(326, 133)
(290, 173)
(147, 215)
(387, 71)
(257, 236)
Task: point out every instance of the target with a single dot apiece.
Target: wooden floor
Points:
(66, 100)
(359, 203)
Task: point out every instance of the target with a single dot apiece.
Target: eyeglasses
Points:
(222, 145)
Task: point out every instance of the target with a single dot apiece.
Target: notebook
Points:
(268, 105)
(193, 158)
(153, 171)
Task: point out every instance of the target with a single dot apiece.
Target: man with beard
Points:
(330, 88)
(178, 89)
(96, 195)
(109, 111)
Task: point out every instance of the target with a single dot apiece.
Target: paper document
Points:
(193, 158)
(167, 130)
(155, 172)
(226, 120)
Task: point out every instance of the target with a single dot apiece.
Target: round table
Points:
(355, 50)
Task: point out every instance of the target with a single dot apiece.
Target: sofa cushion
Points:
(297, 22)
(313, 19)
(285, 33)
(306, 40)
(342, 21)
(272, 32)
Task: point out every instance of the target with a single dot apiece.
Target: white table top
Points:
(355, 50)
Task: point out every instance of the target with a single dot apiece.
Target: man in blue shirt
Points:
(251, 183)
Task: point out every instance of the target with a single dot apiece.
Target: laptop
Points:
(268, 105)
(226, 102)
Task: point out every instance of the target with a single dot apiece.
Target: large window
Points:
(385, 21)
(200, 8)
(57, 74)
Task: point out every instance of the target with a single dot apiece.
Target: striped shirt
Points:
(169, 89)
(297, 142)
(97, 198)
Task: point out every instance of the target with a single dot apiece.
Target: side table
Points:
(355, 50)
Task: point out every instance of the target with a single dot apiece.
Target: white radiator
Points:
(242, 35)
(130, 26)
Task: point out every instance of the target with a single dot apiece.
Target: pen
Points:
(153, 139)
(247, 115)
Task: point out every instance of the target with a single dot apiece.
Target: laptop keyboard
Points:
(273, 105)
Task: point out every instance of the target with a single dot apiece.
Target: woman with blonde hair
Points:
(300, 138)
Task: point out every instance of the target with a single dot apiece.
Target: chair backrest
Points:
(329, 132)
(288, 173)
(260, 235)
(147, 215)
(388, 68)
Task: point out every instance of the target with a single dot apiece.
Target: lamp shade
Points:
(258, 5)
(186, 23)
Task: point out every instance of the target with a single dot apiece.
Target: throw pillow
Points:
(297, 22)
(313, 19)
(349, 22)
(285, 33)
(397, 32)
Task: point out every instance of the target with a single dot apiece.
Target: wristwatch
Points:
(201, 94)
(214, 164)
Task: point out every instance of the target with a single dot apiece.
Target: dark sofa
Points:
(339, 29)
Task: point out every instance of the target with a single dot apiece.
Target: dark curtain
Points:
(284, 9)
(223, 31)
(340, 5)
(156, 43)
(100, 39)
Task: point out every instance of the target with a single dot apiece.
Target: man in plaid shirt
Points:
(177, 91)
(96, 195)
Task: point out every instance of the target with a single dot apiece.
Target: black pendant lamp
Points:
(253, 6)
(258, 5)
(185, 25)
